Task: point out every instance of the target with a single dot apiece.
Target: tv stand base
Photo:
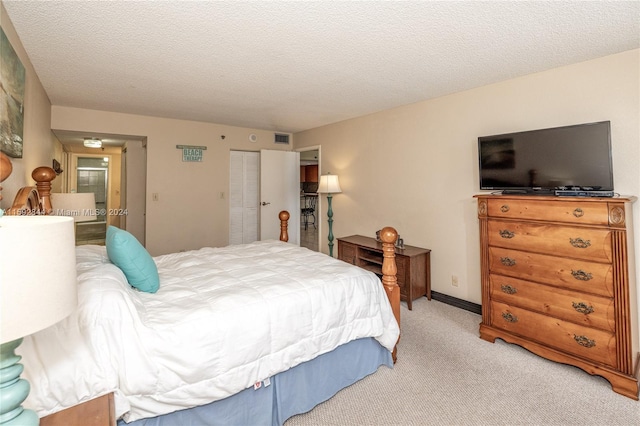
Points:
(528, 192)
(579, 193)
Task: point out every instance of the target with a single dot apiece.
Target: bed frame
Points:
(34, 200)
(388, 235)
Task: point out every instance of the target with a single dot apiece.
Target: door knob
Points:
(264, 203)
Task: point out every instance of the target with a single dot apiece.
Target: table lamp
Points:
(37, 289)
(329, 185)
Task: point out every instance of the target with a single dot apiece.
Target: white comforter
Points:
(223, 319)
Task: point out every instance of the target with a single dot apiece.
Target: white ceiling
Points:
(291, 66)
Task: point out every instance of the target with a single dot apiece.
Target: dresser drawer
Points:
(585, 309)
(589, 343)
(571, 274)
(575, 212)
(583, 243)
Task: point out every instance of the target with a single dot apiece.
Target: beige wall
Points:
(413, 167)
(38, 146)
(189, 213)
(416, 168)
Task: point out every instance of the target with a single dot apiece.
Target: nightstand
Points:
(96, 412)
(413, 264)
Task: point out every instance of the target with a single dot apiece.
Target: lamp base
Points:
(13, 389)
(25, 418)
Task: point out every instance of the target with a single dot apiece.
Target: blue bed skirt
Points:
(291, 392)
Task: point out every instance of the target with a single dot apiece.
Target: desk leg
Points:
(428, 266)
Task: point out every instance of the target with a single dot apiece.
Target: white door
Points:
(244, 196)
(133, 192)
(279, 190)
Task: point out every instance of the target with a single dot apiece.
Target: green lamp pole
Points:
(329, 185)
(330, 220)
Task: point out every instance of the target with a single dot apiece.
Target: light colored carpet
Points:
(447, 375)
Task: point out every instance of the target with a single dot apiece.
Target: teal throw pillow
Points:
(126, 252)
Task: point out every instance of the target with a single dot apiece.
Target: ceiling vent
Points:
(282, 138)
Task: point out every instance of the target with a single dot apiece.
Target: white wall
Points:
(416, 168)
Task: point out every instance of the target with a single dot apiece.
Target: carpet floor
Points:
(447, 375)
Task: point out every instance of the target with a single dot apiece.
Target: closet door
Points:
(244, 197)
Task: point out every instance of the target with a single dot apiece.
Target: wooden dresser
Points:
(414, 264)
(556, 280)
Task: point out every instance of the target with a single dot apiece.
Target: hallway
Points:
(309, 237)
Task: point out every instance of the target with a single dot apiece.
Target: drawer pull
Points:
(581, 275)
(508, 289)
(578, 212)
(580, 243)
(507, 261)
(505, 233)
(583, 308)
(509, 317)
(504, 208)
(584, 341)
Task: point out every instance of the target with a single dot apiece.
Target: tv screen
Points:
(561, 158)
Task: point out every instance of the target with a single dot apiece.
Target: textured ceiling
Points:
(291, 66)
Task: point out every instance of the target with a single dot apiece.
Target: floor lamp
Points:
(38, 288)
(329, 185)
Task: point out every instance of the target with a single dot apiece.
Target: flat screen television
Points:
(548, 161)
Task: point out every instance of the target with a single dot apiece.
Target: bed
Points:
(244, 334)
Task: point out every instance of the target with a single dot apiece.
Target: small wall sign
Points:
(191, 153)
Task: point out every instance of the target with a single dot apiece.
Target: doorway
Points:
(309, 199)
(126, 156)
(92, 175)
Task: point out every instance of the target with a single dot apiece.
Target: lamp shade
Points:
(37, 273)
(80, 205)
(329, 184)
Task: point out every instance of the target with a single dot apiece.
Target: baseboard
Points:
(458, 303)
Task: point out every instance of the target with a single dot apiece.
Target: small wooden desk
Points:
(96, 412)
(413, 263)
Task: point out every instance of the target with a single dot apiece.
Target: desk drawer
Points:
(583, 243)
(571, 274)
(576, 212)
(589, 343)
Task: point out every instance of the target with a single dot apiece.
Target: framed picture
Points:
(56, 167)
(12, 75)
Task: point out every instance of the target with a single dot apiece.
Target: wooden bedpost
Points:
(36, 200)
(43, 177)
(5, 169)
(284, 225)
(388, 236)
